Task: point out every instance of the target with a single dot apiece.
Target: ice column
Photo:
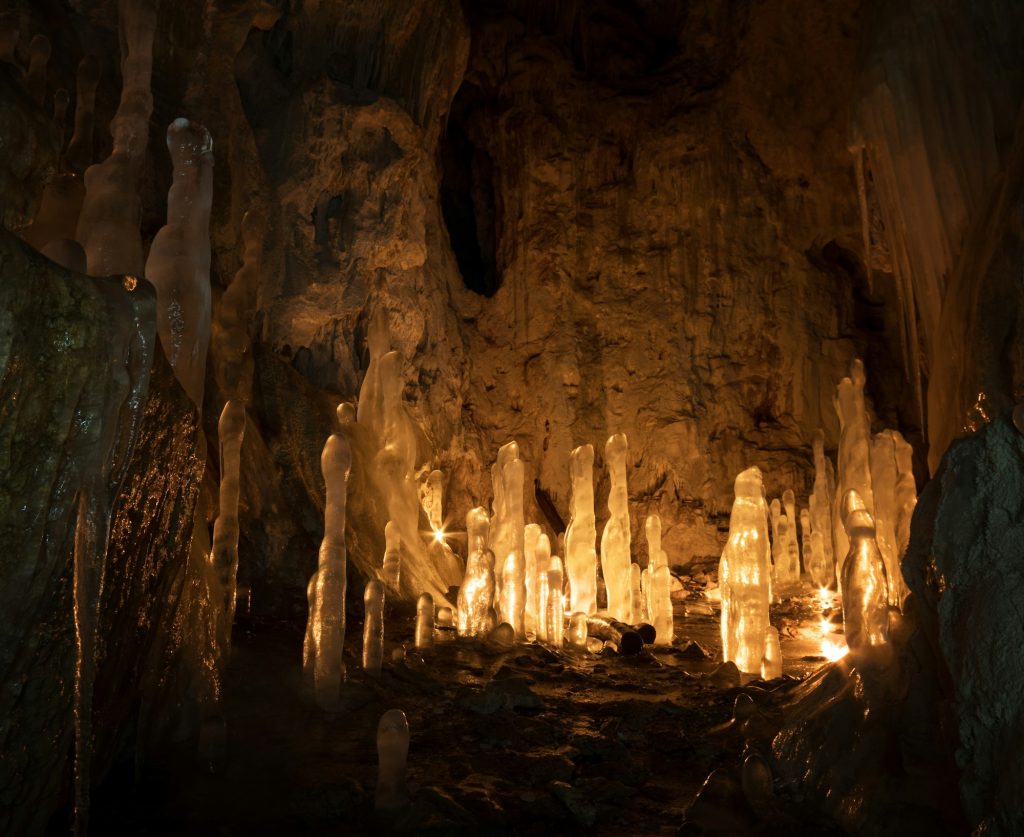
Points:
(581, 536)
(615, 554)
(391, 569)
(425, 621)
(224, 557)
(392, 796)
(771, 665)
(179, 260)
(854, 470)
(108, 228)
(743, 576)
(373, 627)
(326, 630)
(476, 594)
(865, 587)
(531, 534)
(821, 503)
(884, 477)
(556, 614)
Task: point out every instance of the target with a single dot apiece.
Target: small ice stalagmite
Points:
(513, 593)
(577, 634)
(854, 471)
(805, 541)
(326, 630)
(865, 587)
(224, 557)
(391, 567)
(531, 534)
(373, 627)
(906, 491)
(646, 594)
(771, 663)
(581, 536)
(884, 477)
(476, 595)
(392, 794)
(637, 606)
(555, 607)
(38, 59)
(425, 621)
(743, 576)
(543, 559)
(822, 504)
(179, 260)
(783, 551)
(776, 512)
(615, 540)
(661, 590)
(108, 227)
(789, 504)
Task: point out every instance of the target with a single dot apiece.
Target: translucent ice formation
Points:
(513, 593)
(771, 663)
(822, 503)
(370, 411)
(743, 576)
(636, 609)
(433, 500)
(108, 228)
(865, 587)
(542, 556)
(884, 478)
(615, 553)
(476, 595)
(179, 260)
(507, 524)
(391, 568)
(789, 504)
(577, 634)
(392, 795)
(531, 534)
(854, 471)
(784, 550)
(661, 598)
(581, 536)
(38, 58)
(325, 632)
(373, 627)
(425, 621)
(224, 557)
(556, 615)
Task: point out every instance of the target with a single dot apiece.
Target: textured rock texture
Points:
(57, 332)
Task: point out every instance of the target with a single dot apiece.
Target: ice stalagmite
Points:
(789, 504)
(391, 568)
(373, 627)
(646, 594)
(661, 597)
(805, 539)
(578, 634)
(615, 553)
(865, 587)
(854, 471)
(787, 559)
(884, 478)
(743, 576)
(652, 529)
(476, 595)
(906, 491)
(179, 260)
(555, 607)
(513, 593)
(224, 557)
(508, 527)
(108, 227)
(370, 411)
(392, 795)
(822, 503)
(581, 536)
(771, 664)
(531, 534)
(543, 559)
(636, 597)
(326, 629)
(425, 621)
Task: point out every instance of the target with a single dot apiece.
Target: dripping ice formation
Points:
(615, 551)
(581, 535)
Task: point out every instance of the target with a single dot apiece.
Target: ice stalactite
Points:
(884, 478)
(425, 621)
(865, 587)
(373, 627)
(391, 566)
(108, 227)
(507, 523)
(854, 471)
(325, 631)
(581, 535)
(822, 503)
(771, 664)
(476, 595)
(179, 260)
(554, 605)
(615, 552)
(392, 794)
(531, 534)
(224, 557)
(743, 575)
(38, 59)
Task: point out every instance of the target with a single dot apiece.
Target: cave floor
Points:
(504, 740)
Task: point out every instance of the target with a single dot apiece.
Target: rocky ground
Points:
(504, 740)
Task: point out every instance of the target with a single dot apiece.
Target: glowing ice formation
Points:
(425, 621)
(854, 471)
(661, 596)
(555, 608)
(325, 633)
(531, 534)
(581, 536)
(615, 554)
(179, 260)
(577, 634)
(542, 556)
(884, 478)
(865, 587)
(771, 663)
(392, 795)
(822, 503)
(513, 593)
(784, 550)
(636, 598)
(373, 627)
(507, 524)
(743, 576)
(391, 567)
(224, 558)
(476, 595)
(108, 227)
(370, 411)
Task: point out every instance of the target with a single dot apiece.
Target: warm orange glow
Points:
(824, 597)
(439, 535)
(833, 651)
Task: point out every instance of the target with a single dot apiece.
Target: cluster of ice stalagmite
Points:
(476, 595)
(581, 535)
(392, 794)
(785, 550)
(373, 627)
(615, 539)
(179, 260)
(865, 586)
(325, 630)
(108, 227)
(224, 557)
(744, 574)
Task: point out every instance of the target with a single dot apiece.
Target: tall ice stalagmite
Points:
(581, 535)
(865, 587)
(224, 557)
(373, 627)
(743, 576)
(854, 471)
(822, 503)
(884, 479)
(507, 524)
(615, 554)
(476, 595)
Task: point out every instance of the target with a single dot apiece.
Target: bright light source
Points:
(824, 596)
(439, 535)
(833, 651)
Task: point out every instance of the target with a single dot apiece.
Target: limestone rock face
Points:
(57, 331)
